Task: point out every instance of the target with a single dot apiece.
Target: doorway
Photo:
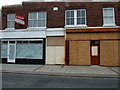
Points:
(95, 52)
(11, 52)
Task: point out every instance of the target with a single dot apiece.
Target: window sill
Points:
(109, 25)
(9, 29)
(36, 28)
(75, 26)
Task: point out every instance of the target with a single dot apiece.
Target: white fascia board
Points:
(23, 34)
(55, 32)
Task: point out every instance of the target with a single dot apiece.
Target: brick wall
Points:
(55, 19)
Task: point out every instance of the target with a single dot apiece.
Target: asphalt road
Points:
(11, 80)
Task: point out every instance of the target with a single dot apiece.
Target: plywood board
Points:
(55, 41)
(84, 53)
(109, 53)
(92, 36)
(79, 52)
(73, 53)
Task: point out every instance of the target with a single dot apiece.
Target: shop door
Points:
(95, 52)
(11, 52)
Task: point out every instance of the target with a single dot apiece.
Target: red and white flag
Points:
(19, 19)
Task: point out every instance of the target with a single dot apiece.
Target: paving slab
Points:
(92, 71)
(19, 68)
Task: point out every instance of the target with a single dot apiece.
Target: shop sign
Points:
(19, 19)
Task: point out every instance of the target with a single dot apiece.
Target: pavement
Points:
(86, 71)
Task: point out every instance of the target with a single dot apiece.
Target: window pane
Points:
(30, 51)
(33, 16)
(110, 12)
(67, 13)
(30, 23)
(78, 13)
(4, 51)
(70, 13)
(110, 20)
(81, 13)
(83, 21)
(68, 21)
(106, 20)
(72, 21)
(11, 17)
(10, 24)
(41, 15)
(39, 23)
(78, 21)
(105, 12)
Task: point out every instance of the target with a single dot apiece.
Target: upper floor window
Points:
(76, 17)
(11, 21)
(37, 19)
(108, 16)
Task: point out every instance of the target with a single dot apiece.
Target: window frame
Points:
(104, 24)
(10, 21)
(38, 19)
(75, 18)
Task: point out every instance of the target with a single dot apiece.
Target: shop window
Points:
(37, 19)
(4, 49)
(76, 17)
(29, 50)
(108, 16)
(11, 21)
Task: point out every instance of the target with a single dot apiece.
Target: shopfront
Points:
(92, 47)
(23, 51)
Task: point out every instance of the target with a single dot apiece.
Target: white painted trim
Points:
(36, 28)
(24, 34)
(22, 40)
(55, 32)
(92, 27)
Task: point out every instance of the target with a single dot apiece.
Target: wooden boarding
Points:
(93, 36)
(55, 41)
(73, 53)
(79, 53)
(109, 53)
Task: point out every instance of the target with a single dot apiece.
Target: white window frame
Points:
(10, 21)
(38, 19)
(113, 18)
(75, 19)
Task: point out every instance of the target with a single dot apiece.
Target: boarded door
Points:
(79, 52)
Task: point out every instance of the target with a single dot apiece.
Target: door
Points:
(95, 52)
(11, 52)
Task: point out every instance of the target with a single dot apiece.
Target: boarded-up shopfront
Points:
(92, 46)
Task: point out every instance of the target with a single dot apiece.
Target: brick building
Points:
(72, 33)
